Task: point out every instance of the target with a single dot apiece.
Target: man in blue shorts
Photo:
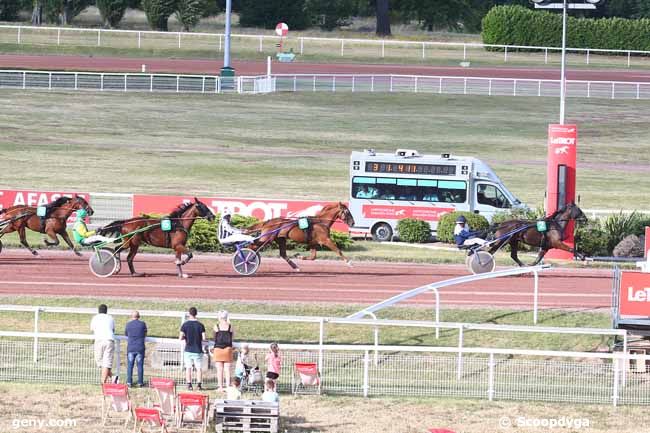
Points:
(193, 332)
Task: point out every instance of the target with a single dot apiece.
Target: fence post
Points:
(366, 368)
(178, 82)
(49, 82)
(423, 50)
(616, 366)
(139, 39)
(514, 88)
(19, 27)
(99, 37)
(491, 377)
(261, 48)
(459, 362)
(314, 83)
(203, 85)
(613, 89)
(217, 87)
(490, 87)
(536, 295)
(353, 84)
(415, 84)
(376, 332)
(151, 89)
(464, 51)
(440, 85)
(333, 83)
(588, 89)
(638, 90)
(118, 355)
(101, 83)
(465, 86)
(505, 55)
(383, 48)
(390, 89)
(539, 88)
(342, 43)
(58, 36)
(36, 314)
(545, 56)
(587, 56)
(302, 43)
(372, 83)
(219, 42)
(628, 59)
(294, 83)
(179, 40)
(321, 342)
(24, 79)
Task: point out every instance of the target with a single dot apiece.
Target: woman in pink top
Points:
(273, 362)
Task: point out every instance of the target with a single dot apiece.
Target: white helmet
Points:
(225, 212)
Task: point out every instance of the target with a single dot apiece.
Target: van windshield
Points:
(490, 195)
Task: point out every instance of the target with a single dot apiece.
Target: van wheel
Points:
(382, 233)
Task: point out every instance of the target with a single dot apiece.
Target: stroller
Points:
(251, 377)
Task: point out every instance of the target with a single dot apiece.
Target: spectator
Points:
(222, 353)
(233, 392)
(135, 331)
(103, 327)
(243, 366)
(273, 362)
(269, 392)
(193, 332)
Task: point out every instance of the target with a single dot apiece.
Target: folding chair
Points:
(305, 375)
(192, 410)
(116, 399)
(150, 417)
(165, 390)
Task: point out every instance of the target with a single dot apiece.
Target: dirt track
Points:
(60, 273)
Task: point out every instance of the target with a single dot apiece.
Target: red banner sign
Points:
(400, 212)
(634, 294)
(261, 209)
(9, 197)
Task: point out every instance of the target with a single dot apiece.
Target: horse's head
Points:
(78, 202)
(203, 210)
(572, 212)
(345, 215)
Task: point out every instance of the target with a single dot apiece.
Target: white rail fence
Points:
(140, 82)
(491, 374)
(366, 48)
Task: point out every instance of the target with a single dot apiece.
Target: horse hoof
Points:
(185, 276)
(349, 263)
(35, 253)
(296, 269)
(78, 254)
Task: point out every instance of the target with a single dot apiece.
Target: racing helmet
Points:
(81, 213)
(461, 219)
(226, 213)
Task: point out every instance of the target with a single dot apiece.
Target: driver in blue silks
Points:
(463, 235)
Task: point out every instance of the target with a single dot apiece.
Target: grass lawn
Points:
(298, 145)
(313, 414)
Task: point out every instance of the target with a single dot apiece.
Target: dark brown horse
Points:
(526, 231)
(54, 223)
(318, 232)
(149, 230)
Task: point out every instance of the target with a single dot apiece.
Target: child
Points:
(273, 362)
(243, 367)
(269, 392)
(232, 391)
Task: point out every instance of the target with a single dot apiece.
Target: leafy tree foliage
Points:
(112, 11)
(189, 12)
(61, 11)
(268, 13)
(9, 10)
(330, 14)
(158, 13)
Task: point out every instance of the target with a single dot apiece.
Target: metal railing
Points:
(492, 374)
(342, 47)
(479, 86)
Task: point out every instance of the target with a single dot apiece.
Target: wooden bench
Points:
(246, 416)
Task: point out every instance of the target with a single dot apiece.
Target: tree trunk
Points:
(383, 19)
(37, 13)
(66, 17)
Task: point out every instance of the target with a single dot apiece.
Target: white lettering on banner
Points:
(1, 194)
(35, 198)
(642, 295)
(564, 140)
(310, 211)
(270, 210)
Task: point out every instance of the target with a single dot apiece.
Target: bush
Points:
(329, 14)
(203, 236)
(618, 226)
(446, 225)
(112, 11)
(9, 10)
(413, 230)
(158, 13)
(591, 239)
(516, 25)
(269, 13)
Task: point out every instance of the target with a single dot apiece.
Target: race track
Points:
(212, 67)
(60, 273)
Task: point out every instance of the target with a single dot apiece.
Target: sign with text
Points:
(401, 212)
(634, 294)
(9, 197)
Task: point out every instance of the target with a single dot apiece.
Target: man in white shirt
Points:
(103, 327)
(229, 234)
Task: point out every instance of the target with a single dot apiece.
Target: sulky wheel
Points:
(103, 263)
(481, 262)
(245, 261)
(0, 246)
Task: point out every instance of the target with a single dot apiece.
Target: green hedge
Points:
(414, 230)
(445, 232)
(516, 25)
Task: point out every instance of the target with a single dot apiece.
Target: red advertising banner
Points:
(9, 197)
(399, 212)
(261, 209)
(634, 294)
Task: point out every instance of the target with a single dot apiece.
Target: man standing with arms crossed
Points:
(193, 332)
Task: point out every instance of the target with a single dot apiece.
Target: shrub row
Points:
(516, 25)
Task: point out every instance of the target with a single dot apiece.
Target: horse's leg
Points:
(66, 238)
(329, 243)
(282, 245)
(514, 244)
(133, 250)
(312, 254)
(562, 246)
(540, 256)
(180, 250)
(23, 240)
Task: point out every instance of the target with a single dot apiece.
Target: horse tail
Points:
(113, 228)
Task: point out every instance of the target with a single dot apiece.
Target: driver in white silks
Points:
(463, 235)
(229, 234)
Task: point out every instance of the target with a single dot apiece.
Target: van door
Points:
(489, 199)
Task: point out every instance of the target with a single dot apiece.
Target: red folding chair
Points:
(115, 401)
(165, 390)
(192, 410)
(306, 376)
(149, 418)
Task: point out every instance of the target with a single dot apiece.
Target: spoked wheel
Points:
(245, 261)
(103, 263)
(481, 262)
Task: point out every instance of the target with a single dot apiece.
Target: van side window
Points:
(490, 195)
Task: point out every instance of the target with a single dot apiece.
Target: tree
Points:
(9, 10)
(59, 11)
(189, 12)
(268, 13)
(330, 14)
(112, 11)
(383, 18)
(158, 13)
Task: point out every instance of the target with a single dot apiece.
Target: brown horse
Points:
(54, 223)
(148, 230)
(318, 232)
(526, 231)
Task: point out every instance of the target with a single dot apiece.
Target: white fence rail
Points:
(139, 82)
(492, 374)
(364, 48)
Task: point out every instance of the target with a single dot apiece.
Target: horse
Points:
(148, 230)
(53, 224)
(317, 233)
(526, 231)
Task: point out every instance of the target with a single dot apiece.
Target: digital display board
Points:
(398, 167)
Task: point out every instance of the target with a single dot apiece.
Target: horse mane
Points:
(180, 209)
(58, 202)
